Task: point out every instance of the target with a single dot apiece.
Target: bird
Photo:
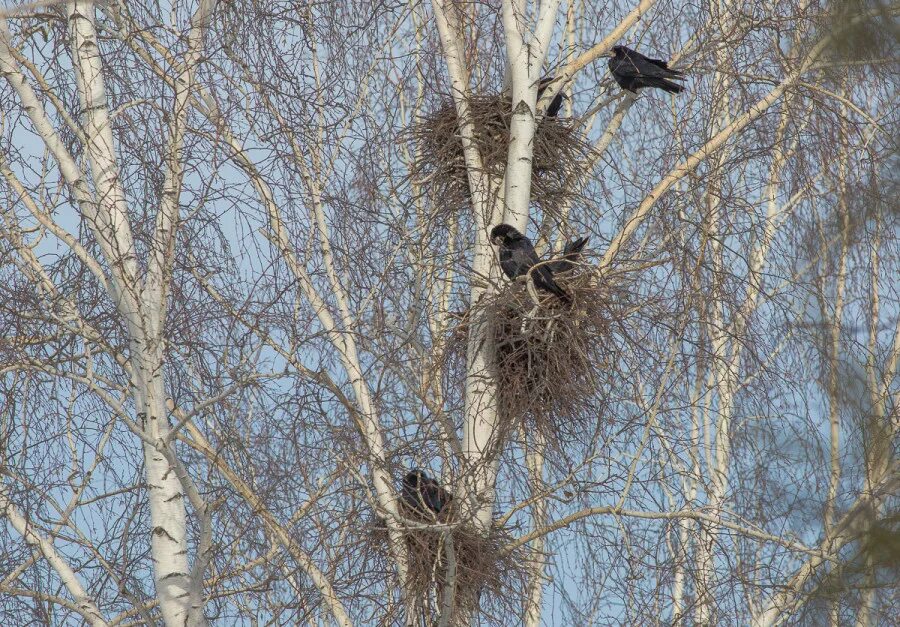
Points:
(518, 258)
(570, 254)
(632, 71)
(555, 104)
(423, 494)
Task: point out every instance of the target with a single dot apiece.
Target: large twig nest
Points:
(552, 361)
(454, 565)
(559, 153)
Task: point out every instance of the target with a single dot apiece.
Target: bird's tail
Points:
(574, 247)
(669, 86)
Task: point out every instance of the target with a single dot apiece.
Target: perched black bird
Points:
(555, 104)
(517, 258)
(423, 494)
(570, 254)
(632, 71)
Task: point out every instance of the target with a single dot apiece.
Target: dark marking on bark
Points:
(160, 531)
(523, 108)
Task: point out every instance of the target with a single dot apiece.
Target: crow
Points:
(555, 104)
(423, 494)
(632, 71)
(518, 258)
(570, 254)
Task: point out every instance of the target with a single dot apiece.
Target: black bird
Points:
(423, 494)
(517, 258)
(556, 103)
(632, 71)
(570, 254)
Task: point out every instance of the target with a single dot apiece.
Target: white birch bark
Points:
(343, 341)
(107, 216)
(476, 488)
(345, 344)
(143, 310)
(525, 53)
(525, 60)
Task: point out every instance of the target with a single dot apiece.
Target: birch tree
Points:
(234, 314)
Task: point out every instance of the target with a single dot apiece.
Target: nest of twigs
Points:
(559, 153)
(552, 361)
(453, 566)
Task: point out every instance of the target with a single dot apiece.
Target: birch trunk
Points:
(180, 598)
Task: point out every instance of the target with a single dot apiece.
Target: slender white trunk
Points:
(180, 601)
(511, 201)
(525, 52)
(480, 412)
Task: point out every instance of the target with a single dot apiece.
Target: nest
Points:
(559, 153)
(488, 578)
(552, 361)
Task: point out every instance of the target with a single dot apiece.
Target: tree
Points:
(237, 309)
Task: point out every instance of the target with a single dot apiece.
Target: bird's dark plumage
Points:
(518, 258)
(423, 494)
(633, 71)
(556, 104)
(570, 254)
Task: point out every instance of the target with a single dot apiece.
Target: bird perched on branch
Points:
(570, 255)
(633, 71)
(518, 258)
(423, 494)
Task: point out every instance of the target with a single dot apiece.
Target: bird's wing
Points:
(523, 252)
(412, 497)
(646, 67)
(670, 73)
(436, 497)
(623, 67)
(543, 274)
(556, 105)
(430, 496)
(543, 279)
(513, 262)
(522, 262)
(636, 65)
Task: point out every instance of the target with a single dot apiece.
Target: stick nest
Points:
(488, 578)
(552, 361)
(559, 153)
